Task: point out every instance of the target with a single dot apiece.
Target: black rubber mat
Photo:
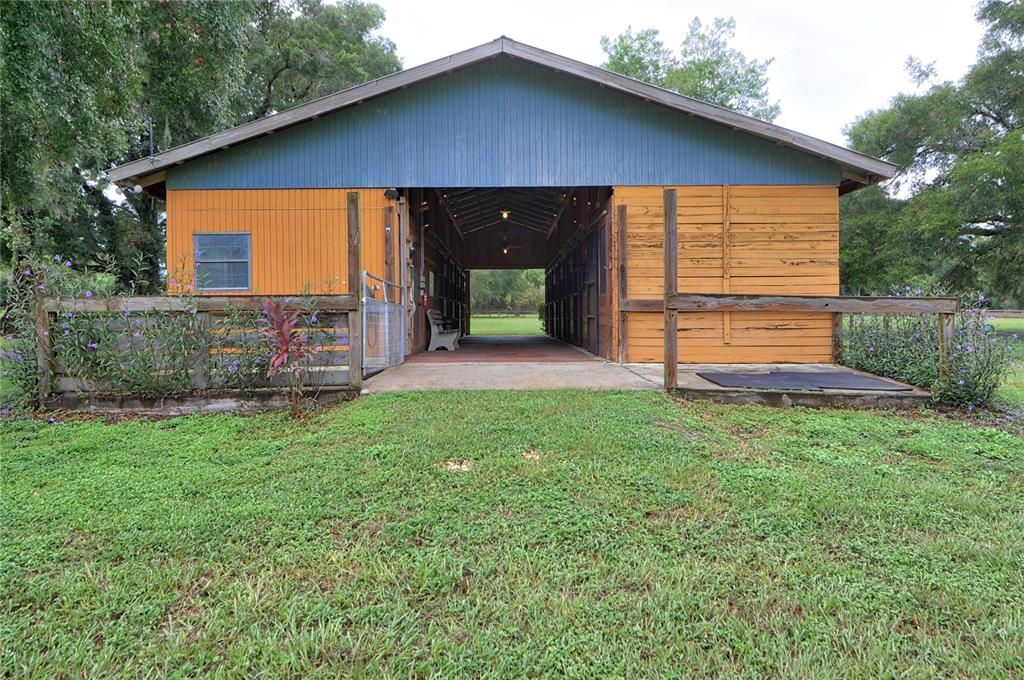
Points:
(812, 381)
(765, 381)
(844, 380)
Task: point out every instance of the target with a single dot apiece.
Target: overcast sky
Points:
(833, 60)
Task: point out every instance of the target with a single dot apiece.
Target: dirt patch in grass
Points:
(461, 465)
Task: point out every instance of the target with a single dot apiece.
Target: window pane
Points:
(213, 275)
(219, 247)
(222, 261)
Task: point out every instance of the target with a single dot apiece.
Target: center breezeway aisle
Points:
(510, 363)
(505, 349)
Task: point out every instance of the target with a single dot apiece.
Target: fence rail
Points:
(339, 363)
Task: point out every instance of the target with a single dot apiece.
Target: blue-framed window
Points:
(223, 261)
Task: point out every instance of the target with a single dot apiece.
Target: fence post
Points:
(946, 327)
(43, 352)
(671, 287)
(355, 286)
(837, 335)
(621, 246)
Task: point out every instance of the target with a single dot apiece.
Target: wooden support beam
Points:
(620, 253)
(389, 243)
(355, 317)
(946, 332)
(812, 303)
(671, 287)
(726, 265)
(43, 363)
(200, 303)
(561, 209)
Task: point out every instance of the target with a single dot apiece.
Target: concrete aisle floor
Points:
(514, 375)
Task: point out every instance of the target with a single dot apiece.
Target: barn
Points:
(508, 156)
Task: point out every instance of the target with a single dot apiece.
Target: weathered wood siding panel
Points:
(299, 237)
(503, 123)
(781, 240)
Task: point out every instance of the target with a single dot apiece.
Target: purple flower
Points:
(313, 319)
(67, 263)
(5, 411)
(88, 293)
(56, 258)
(970, 407)
(960, 382)
(41, 287)
(232, 368)
(92, 345)
(137, 334)
(67, 315)
(981, 298)
(51, 420)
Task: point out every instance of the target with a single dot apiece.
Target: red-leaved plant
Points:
(288, 347)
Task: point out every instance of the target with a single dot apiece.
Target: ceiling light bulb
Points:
(505, 214)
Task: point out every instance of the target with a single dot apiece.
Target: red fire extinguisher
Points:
(424, 300)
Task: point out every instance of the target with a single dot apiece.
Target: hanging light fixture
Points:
(504, 213)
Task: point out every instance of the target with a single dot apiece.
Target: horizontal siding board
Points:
(505, 123)
(782, 240)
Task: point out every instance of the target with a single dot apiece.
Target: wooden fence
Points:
(338, 364)
(675, 303)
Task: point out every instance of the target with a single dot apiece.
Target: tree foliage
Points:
(306, 49)
(86, 85)
(707, 67)
(961, 146)
(506, 290)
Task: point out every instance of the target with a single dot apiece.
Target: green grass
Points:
(1012, 390)
(589, 534)
(1007, 325)
(528, 324)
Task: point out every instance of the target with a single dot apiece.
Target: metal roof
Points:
(856, 167)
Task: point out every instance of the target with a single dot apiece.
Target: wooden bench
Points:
(439, 337)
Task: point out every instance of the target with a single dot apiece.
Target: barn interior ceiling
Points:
(478, 210)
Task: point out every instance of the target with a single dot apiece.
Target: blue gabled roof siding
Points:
(503, 123)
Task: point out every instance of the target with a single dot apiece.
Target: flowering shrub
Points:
(152, 353)
(906, 348)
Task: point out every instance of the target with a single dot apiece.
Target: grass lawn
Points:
(528, 324)
(1007, 325)
(525, 534)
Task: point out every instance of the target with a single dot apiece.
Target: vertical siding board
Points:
(503, 122)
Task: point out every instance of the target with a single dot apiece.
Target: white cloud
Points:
(833, 61)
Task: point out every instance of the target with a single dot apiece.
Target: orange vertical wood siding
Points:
(299, 237)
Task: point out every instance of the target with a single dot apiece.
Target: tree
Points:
(707, 68)
(86, 85)
(306, 49)
(66, 86)
(962, 149)
(506, 290)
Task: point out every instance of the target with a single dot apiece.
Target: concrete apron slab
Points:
(587, 374)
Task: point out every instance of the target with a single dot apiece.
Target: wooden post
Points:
(946, 330)
(837, 335)
(43, 364)
(389, 243)
(671, 286)
(355, 318)
(620, 252)
(726, 264)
